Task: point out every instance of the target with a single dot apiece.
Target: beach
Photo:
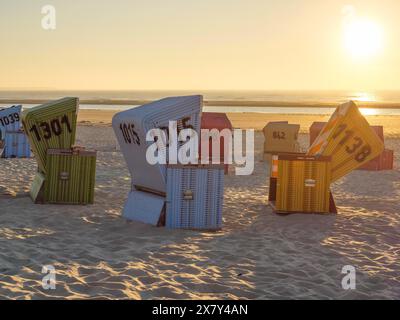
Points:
(258, 255)
(256, 121)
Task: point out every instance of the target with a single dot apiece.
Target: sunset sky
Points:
(208, 44)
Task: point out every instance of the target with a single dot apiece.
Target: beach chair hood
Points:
(10, 118)
(131, 127)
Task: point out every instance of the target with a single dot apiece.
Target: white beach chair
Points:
(146, 201)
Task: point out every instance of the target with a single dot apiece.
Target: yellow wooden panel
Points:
(303, 185)
(348, 139)
(51, 126)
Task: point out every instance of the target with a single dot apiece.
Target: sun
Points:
(363, 38)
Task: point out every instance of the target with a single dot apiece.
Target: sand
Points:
(257, 255)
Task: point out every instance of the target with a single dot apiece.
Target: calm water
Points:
(284, 96)
(234, 109)
(297, 97)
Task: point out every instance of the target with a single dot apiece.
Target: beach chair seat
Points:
(301, 185)
(70, 178)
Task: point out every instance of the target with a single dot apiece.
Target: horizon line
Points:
(191, 90)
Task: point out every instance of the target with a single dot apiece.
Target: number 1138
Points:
(353, 144)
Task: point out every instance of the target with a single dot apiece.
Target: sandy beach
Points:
(257, 255)
(257, 121)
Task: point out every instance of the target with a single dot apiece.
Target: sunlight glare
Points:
(364, 97)
(368, 111)
(363, 38)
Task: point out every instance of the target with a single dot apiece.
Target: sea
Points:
(278, 102)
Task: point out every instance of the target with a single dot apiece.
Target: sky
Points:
(204, 45)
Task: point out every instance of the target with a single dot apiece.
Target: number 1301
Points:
(51, 128)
